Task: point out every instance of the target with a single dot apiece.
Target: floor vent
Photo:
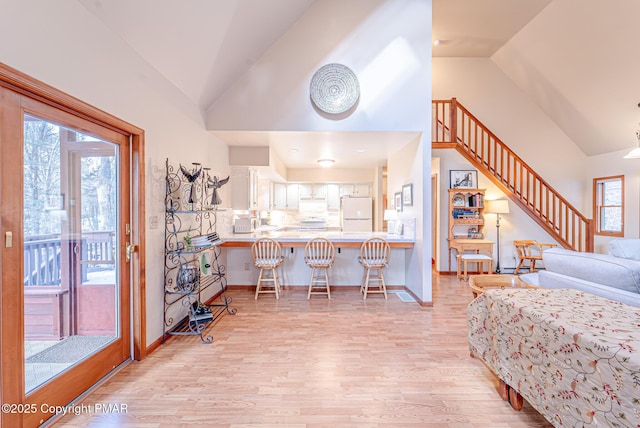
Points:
(403, 295)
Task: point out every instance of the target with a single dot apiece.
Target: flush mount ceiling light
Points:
(326, 163)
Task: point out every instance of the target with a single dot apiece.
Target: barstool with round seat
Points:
(319, 255)
(374, 256)
(267, 256)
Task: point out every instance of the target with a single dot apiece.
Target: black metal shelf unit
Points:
(192, 254)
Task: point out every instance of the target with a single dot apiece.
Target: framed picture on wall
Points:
(463, 179)
(398, 200)
(407, 195)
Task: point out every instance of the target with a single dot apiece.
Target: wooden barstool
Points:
(267, 256)
(319, 255)
(374, 255)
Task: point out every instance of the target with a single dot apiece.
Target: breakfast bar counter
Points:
(346, 270)
(292, 238)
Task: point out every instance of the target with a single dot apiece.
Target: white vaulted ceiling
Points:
(201, 46)
(577, 59)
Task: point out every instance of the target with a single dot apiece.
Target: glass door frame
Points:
(20, 94)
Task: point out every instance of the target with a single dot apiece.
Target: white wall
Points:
(332, 175)
(614, 164)
(387, 43)
(408, 166)
(63, 45)
(480, 86)
(578, 61)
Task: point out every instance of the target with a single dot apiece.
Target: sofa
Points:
(615, 276)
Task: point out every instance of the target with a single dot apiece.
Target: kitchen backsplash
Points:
(277, 218)
(292, 218)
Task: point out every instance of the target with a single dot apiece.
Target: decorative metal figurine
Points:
(191, 178)
(215, 184)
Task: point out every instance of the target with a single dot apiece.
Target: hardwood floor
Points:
(295, 362)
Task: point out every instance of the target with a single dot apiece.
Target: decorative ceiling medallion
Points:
(334, 88)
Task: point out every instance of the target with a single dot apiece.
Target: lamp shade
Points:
(390, 215)
(498, 206)
(635, 153)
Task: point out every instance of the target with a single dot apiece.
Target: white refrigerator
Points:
(357, 214)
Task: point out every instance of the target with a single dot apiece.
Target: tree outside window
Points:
(609, 205)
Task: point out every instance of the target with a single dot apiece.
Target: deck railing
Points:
(454, 126)
(42, 256)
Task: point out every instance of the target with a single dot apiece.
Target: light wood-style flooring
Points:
(318, 363)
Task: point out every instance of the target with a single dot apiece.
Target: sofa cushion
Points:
(556, 280)
(625, 248)
(599, 268)
(530, 279)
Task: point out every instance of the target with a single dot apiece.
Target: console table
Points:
(573, 356)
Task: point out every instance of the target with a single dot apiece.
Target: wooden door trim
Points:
(20, 84)
(40, 91)
(25, 85)
(12, 327)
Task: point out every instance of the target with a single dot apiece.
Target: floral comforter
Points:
(573, 356)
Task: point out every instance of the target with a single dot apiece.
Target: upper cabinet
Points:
(312, 191)
(292, 196)
(244, 188)
(279, 196)
(358, 190)
(333, 197)
(287, 196)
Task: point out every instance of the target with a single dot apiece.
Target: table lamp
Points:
(499, 206)
(389, 217)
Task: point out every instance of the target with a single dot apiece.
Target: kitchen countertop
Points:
(298, 238)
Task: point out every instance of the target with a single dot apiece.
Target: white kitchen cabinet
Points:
(279, 196)
(292, 196)
(244, 188)
(305, 191)
(319, 191)
(312, 191)
(347, 190)
(333, 197)
(357, 190)
(362, 190)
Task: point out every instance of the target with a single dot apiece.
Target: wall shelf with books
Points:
(466, 222)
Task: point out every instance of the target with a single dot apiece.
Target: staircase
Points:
(454, 127)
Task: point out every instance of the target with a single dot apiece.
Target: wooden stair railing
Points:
(453, 126)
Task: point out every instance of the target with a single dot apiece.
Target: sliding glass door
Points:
(70, 180)
(71, 286)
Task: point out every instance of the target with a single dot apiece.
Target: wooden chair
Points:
(374, 256)
(529, 250)
(319, 256)
(267, 256)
